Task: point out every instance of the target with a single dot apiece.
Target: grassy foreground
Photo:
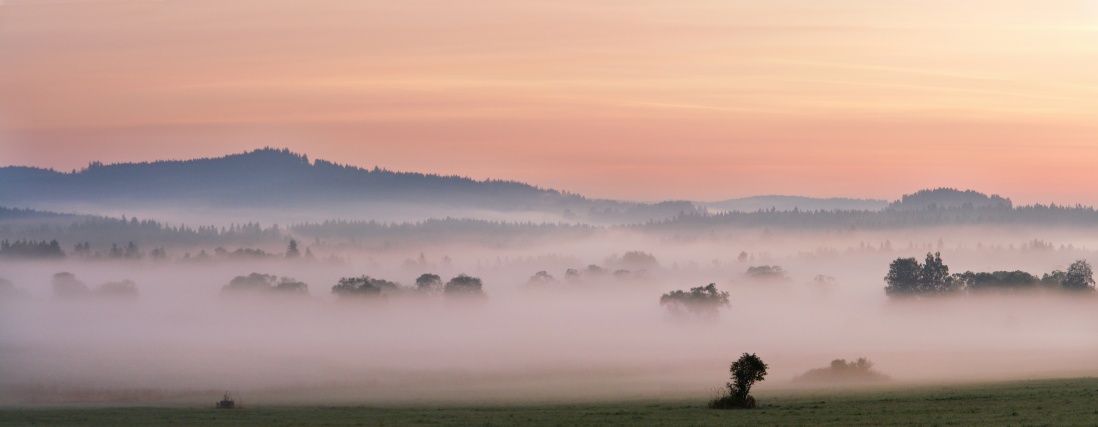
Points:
(1039, 402)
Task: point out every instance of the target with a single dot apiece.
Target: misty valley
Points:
(513, 293)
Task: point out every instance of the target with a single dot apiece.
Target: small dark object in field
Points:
(732, 402)
(840, 371)
(226, 402)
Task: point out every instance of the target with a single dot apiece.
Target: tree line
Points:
(907, 277)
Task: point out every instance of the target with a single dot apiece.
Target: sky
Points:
(638, 100)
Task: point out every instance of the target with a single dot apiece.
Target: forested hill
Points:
(788, 203)
(280, 178)
(949, 198)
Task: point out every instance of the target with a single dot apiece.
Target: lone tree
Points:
(1079, 277)
(703, 301)
(907, 277)
(745, 371)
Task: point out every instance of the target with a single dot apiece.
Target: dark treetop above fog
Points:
(279, 178)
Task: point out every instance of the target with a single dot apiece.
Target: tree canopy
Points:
(907, 277)
(463, 285)
(364, 286)
(702, 301)
(1079, 277)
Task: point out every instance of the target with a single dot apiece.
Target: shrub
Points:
(841, 371)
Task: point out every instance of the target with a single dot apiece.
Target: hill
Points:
(278, 180)
(789, 203)
(949, 198)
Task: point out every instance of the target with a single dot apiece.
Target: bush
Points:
(732, 402)
(841, 371)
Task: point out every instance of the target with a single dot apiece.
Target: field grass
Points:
(1037, 402)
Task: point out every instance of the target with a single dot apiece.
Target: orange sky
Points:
(642, 100)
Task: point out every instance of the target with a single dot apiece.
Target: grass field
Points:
(1037, 402)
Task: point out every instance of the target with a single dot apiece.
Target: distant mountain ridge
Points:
(279, 178)
(789, 203)
(281, 182)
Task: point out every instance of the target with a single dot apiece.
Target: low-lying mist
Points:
(592, 333)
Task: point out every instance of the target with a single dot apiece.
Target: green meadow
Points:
(1017, 403)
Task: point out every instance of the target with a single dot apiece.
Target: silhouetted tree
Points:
(1079, 277)
(906, 277)
(463, 285)
(429, 283)
(115, 252)
(934, 277)
(123, 289)
(82, 249)
(1055, 279)
(364, 286)
(703, 301)
(542, 278)
(765, 272)
(639, 260)
(594, 270)
(31, 249)
(257, 283)
(291, 250)
(287, 285)
(995, 281)
(745, 372)
(132, 252)
(66, 285)
(903, 277)
(158, 253)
